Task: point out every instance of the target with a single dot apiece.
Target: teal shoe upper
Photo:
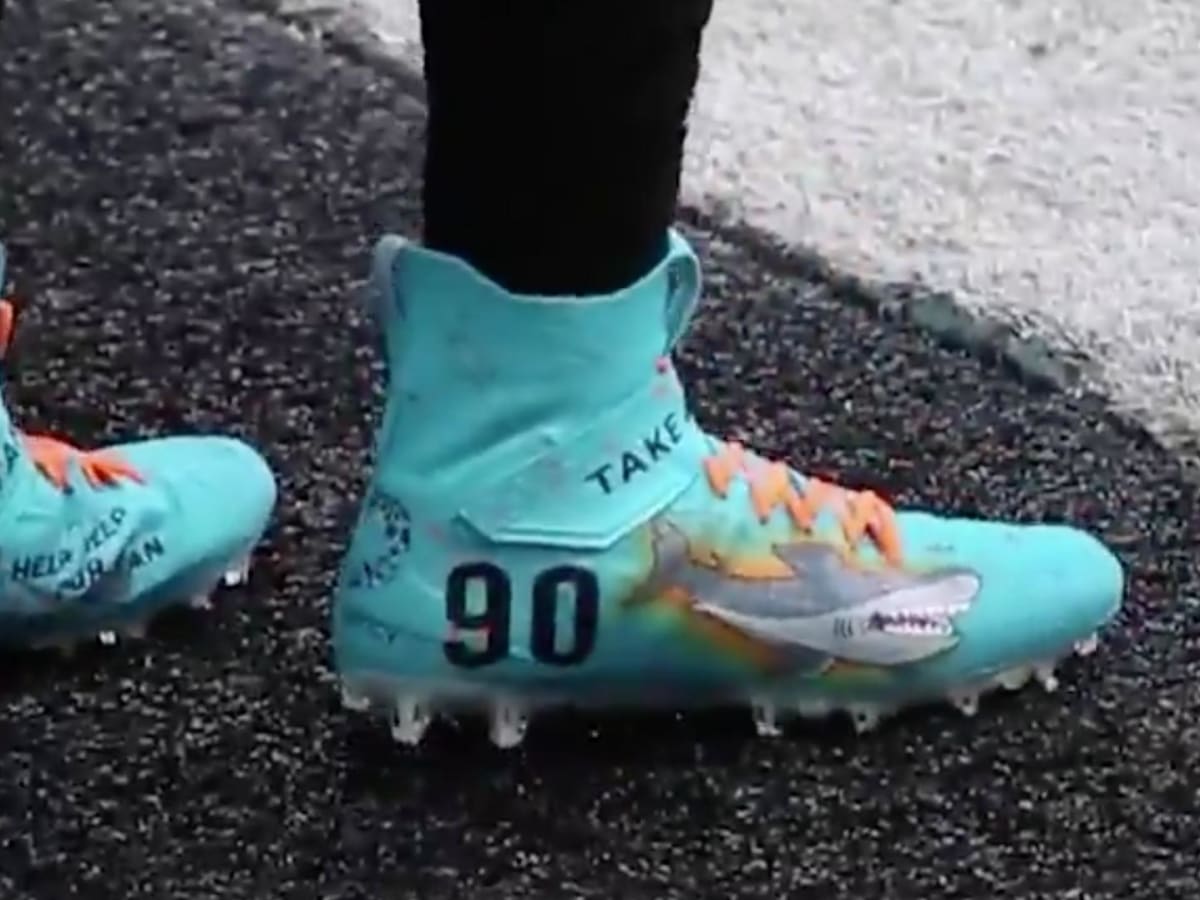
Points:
(77, 557)
(548, 515)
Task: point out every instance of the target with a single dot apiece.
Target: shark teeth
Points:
(930, 622)
(916, 627)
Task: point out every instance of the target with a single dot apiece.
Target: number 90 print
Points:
(494, 621)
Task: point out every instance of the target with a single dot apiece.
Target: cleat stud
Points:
(1046, 677)
(354, 700)
(766, 722)
(813, 709)
(200, 601)
(135, 632)
(108, 638)
(1014, 679)
(1088, 645)
(865, 718)
(410, 721)
(966, 702)
(507, 724)
(238, 574)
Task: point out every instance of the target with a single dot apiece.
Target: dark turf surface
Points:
(191, 195)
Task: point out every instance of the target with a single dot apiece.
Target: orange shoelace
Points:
(100, 468)
(861, 514)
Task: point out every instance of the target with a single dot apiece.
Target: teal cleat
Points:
(548, 525)
(94, 544)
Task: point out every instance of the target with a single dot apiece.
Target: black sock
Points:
(556, 134)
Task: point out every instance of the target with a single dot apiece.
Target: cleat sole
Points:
(415, 703)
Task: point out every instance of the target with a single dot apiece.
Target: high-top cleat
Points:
(94, 544)
(549, 525)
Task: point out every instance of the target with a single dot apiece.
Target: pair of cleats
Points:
(548, 525)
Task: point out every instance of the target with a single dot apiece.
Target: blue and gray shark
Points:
(806, 606)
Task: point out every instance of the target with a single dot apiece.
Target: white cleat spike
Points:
(507, 724)
(238, 574)
(1014, 679)
(410, 720)
(966, 702)
(353, 700)
(201, 602)
(865, 717)
(1088, 645)
(1046, 677)
(108, 638)
(766, 722)
(813, 709)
